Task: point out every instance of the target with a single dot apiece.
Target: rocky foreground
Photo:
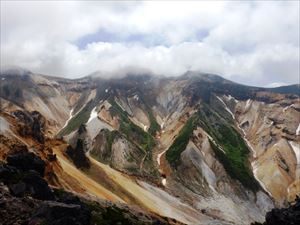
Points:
(26, 198)
(284, 216)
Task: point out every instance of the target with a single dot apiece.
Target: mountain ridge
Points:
(22, 71)
(131, 123)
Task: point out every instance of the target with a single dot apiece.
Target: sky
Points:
(254, 43)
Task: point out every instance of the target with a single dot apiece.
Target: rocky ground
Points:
(284, 216)
(26, 198)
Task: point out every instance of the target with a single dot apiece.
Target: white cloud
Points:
(253, 43)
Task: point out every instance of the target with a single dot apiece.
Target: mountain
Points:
(196, 148)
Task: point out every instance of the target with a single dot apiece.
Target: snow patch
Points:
(298, 130)
(70, 117)
(248, 104)
(211, 139)
(286, 108)
(106, 90)
(164, 181)
(229, 97)
(145, 128)
(159, 156)
(136, 97)
(93, 115)
(227, 109)
(296, 149)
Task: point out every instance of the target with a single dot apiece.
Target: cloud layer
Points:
(254, 43)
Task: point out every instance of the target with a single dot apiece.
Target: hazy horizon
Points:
(253, 43)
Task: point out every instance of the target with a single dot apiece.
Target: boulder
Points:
(37, 187)
(26, 161)
(78, 156)
(284, 216)
(57, 213)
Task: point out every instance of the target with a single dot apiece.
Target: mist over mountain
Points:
(254, 43)
(149, 112)
(196, 149)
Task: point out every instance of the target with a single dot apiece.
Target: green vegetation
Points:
(133, 132)
(144, 141)
(110, 137)
(80, 118)
(235, 158)
(180, 143)
(154, 126)
(107, 138)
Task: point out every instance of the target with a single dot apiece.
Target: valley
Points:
(193, 149)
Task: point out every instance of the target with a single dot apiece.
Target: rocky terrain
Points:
(288, 216)
(26, 198)
(196, 148)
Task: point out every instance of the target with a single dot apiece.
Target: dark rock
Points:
(23, 116)
(51, 157)
(18, 189)
(57, 213)
(9, 174)
(66, 197)
(26, 161)
(77, 155)
(284, 216)
(81, 129)
(13, 210)
(33, 124)
(37, 186)
(22, 174)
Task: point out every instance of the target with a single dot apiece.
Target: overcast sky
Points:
(254, 43)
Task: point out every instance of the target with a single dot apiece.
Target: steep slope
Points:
(197, 148)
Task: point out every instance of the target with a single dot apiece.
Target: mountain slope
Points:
(198, 145)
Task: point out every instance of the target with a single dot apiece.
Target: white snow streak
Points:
(229, 97)
(227, 109)
(159, 156)
(296, 149)
(286, 108)
(145, 128)
(93, 115)
(298, 130)
(136, 97)
(70, 117)
(248, 103)
(210, 138)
